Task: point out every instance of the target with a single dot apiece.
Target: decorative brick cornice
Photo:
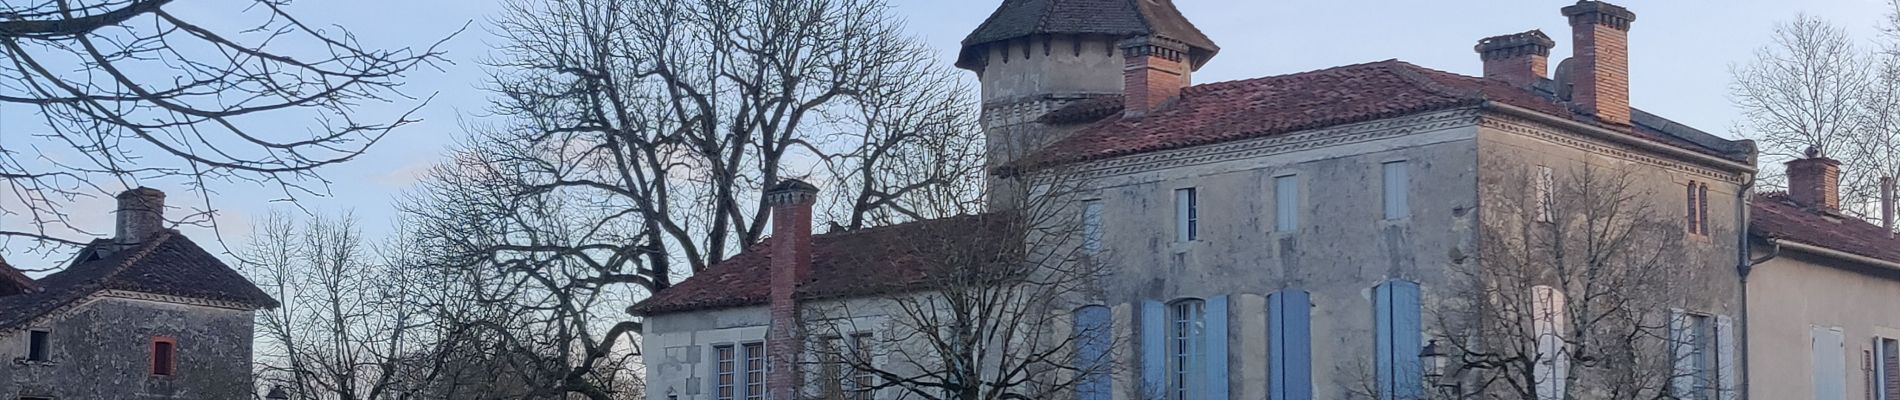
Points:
(1559, 136)
(1277, 144)
(1534, 42)
(1600, 13)
(1144, 46)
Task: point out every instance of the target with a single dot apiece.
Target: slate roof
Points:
(1775, 216)
(862, 262)
(168, 264)
(1118, 18)
(1267, 106)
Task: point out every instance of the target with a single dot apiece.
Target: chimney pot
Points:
(1155, 72)
(1886, 204)
(141, 214)
(1814, 182)
(1519, 58)
(1600, 82)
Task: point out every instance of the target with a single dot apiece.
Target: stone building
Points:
(1820, 289)
(1282, 237)
(147, 314)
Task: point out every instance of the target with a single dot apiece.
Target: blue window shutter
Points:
(1290, 342)
(1154, 349)
(1382, 324)
(1093, 329)
(1276, 343)
(1216, 336)
(1409, 381)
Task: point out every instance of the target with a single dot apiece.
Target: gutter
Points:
(1619, 137)
(1818, 250)
(1744, 264)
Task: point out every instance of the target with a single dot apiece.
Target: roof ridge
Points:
(1211, 86)
(1412, 73)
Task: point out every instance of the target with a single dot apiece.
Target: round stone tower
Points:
(1036, 56)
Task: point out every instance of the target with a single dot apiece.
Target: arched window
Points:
(1549, 320)
(1094, 325)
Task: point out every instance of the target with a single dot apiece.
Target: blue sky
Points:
(1681, 54)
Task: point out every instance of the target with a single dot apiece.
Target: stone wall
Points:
(103, 350)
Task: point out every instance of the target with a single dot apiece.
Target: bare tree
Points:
(129, 92)
(988, 315)
(352, 325)
(1571, 292)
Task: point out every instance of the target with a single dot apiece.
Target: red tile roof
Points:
(1261, 107)
(866, 261)
(1775, 216)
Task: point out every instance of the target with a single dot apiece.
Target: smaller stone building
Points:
(147, 314)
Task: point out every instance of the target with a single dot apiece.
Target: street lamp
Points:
(1436, 362)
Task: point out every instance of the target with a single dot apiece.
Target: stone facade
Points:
(102, 349)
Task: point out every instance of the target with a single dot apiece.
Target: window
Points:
(832, 372)
(1704, 356)
(1289, 343)
(164, 356)
(739, 371)
(1543, 191)
(1093, 330)
(1702, 211)
(1829, 361)
(1186, 215)
(1886, 369)
(1286, 203)
(1549, 321)
(37, 348)
(754, 370)
(863, 380)
(1397, 185)
(1397, 312)
(1092, 226)
(1186, 327)
(1697, 200)
(725, 371)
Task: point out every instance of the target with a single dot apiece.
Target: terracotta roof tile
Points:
(1774, 215)
(1261, 107)
(169, 264)
(866, 261)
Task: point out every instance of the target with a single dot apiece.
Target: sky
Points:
(1681, 53)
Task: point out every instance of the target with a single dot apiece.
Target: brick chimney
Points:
(1156, 69)
(1600, 79)
(791, 202)
(141, 214)
(1815, 181)
(1520, 59)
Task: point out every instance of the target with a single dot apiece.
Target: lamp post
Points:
(1436, 362)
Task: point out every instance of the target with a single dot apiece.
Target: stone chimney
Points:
(1520, 59)
(1600, 78)
(1815, 181)
(141, 214)
(1886, 204)
(791, 202)
(1155, 71)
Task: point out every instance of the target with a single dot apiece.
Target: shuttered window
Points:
(1397, 178)
(1543, 188)
(1187, 215)
(1286, 203)
(1093, 335)
(1092, 226)
(1289, 345)
(1396, 309)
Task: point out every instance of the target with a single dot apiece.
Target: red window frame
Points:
(167, 365)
